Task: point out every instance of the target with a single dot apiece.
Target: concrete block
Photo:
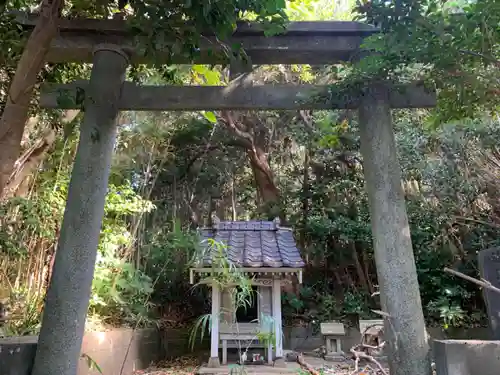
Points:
(17, 355)
(467, 357)
(135, 349)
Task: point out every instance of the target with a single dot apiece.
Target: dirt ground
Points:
(188, 366)
(180, 366)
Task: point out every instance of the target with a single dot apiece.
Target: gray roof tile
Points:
(253, 244)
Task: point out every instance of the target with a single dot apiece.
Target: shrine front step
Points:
(251, 370)
(291, 368)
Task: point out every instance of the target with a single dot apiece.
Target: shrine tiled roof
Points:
(252, 244)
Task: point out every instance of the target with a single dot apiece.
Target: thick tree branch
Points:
(358, 355)
(307, 120)
(230, 143)
(231, 123)
(482, 283)
(15, 113)
(486, 58)
(246, 140)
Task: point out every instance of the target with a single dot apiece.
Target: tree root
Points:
(359, 354)
(306, 366)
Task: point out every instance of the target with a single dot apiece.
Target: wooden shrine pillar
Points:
(214, 331)
(278, 322)
(67, 300)
(397, 275)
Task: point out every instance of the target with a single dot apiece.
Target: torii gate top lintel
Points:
(313, 42)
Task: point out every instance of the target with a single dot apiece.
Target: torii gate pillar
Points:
(67, 299)
(409, 352)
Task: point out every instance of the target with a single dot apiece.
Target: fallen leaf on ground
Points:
(179, 366)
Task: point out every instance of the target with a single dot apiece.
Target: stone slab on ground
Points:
(250, 370)
(337, 357)
(467, 357)
(289, 368)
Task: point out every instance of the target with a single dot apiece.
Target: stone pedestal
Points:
(333, 332)
(213, 362)
(280, 362)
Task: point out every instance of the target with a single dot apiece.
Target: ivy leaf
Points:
(210, 116)
(211, 77)
(92, 365)
(65, 99)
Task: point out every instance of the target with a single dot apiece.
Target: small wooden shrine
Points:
(264, 251)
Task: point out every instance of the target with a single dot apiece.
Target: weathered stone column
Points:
(397, 275)
(278, 322)
(214, 327)
(67, 299)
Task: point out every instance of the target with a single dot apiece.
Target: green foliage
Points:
(314, 306)
(168, 254)
(451, 47)
(120, 291)
(449, 177)
(20, 216)
(91, 364)
(355, 303)
(202, 325)
(187, 164)
(25, 313)
(227, 276)
(12, 41)
(210, 116)
(180, 34)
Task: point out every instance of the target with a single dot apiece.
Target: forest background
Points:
(172, 170)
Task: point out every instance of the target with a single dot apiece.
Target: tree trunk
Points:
(366, 268)
(15, 113)
(255, 145)
(359, 269)
(264, 179)
(305, 196)
(233, 200)
(26, 165)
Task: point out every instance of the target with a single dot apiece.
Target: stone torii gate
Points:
(111, 49)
